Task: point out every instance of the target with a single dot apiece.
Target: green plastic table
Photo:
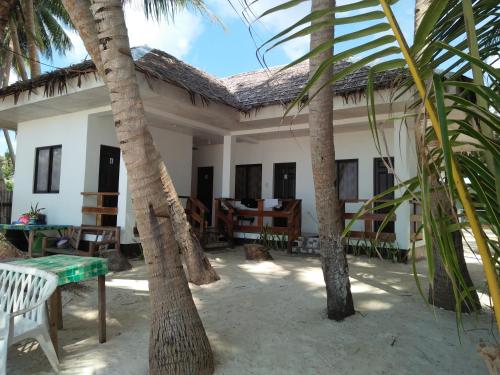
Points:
(32, 229)
(70, 269)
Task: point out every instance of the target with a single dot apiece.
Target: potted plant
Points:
(35, 216)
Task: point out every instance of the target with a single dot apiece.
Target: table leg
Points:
(101, 287)
(53, 319)
(31, 240)
(59, 309)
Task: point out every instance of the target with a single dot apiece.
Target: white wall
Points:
(176, 151)
(100, 131)
(349, 145)
(70, 131)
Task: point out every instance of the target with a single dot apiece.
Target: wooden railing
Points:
(228, 218)
(99, 209)
(196, 213)
(369, 220)
(415, 221)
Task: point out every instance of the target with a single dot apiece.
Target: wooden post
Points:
(59, 308)
(101, 288)
(117, 237)
(31, 240)
(260, 217)
(98, 217)
(53, 319)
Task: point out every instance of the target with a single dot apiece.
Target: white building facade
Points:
(196, 130)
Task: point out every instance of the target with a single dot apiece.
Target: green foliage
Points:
(272, 240)
(7, 171)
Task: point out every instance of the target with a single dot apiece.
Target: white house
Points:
(229, 131)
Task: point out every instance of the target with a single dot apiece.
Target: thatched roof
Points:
(270, 86)
(242, 91)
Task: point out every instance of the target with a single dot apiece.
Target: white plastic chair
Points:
(23, 310)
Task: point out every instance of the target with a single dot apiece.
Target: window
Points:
(347, 179)
(248, 181)
(47, 169)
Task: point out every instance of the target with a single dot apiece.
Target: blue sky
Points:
(197, 40)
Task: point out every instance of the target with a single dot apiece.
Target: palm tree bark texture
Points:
(6, 7)
(441, 292)
(199, 269)
(333, 256)
(178, 342)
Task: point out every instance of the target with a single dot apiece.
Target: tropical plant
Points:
(34, 212)
(454, 41)
(178, 343)
(444, 210)
(38, 28)
(7, 170)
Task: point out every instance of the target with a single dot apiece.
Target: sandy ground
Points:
(269, 318)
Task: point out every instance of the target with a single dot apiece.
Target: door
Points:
(284, 186)
(383, 180)
(205, 189)
(248, 181)
(109, 177)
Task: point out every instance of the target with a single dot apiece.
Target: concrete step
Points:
(216, 245)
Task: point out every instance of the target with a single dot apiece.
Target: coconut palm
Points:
(199, 269)
(441, 293)
(333, 256)
(5, 11)
(460, 148)
(29, 34)
(178, 343)
(39, 33)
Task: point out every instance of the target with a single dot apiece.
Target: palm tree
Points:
(464, 146)
(5, 11)
(333, 256)
(37, 33)
(441, 293)
(178, 342)
(31, 35)
(199, 269)
(33, 32)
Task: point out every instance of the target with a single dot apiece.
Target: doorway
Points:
(205, 189)
(284, 186)
(383, 180)
(109, 178)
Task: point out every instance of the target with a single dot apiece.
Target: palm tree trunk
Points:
(198, 266)
(441, 288)
(10, 147)
(18, 55)
(178, 342)
(31, 33)
(6, 7)
(7, 65)
(333, 257)
(83, 20)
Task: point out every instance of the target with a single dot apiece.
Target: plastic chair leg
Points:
(45, 342)
(4, 334)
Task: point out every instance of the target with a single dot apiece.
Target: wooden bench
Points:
(104, 236)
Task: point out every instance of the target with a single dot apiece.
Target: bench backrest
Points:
(21, 288)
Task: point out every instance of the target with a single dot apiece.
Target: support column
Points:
(405, 165)
(228, 166)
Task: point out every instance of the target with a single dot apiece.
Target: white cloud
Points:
(176, 37)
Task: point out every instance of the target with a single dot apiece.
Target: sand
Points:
(269, 318)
